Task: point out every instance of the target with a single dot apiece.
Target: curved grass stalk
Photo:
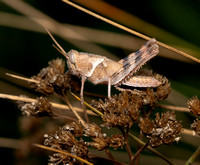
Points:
(131, 31)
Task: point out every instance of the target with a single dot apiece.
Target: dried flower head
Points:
(196, 127)
(163, 90)
(166, 129)
(194, 105)
(100, 140)
(121, 110)
(146, 125)
(76, 128)
(52, 79)
(150, 96)
(42, 107)
(116, 141)
(100, 143)
(64, 139)
(92, 130)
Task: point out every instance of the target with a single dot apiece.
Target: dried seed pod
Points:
(64, 139)
(52, 79)
(194, 106)
(116, 141)
(121, 110)
(196, 127)
(164, 89)
(92, 130)
(146, 125)
(100, 143)
(42, 107)
(75, 128)
(166, 129)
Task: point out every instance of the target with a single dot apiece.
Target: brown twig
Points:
(139, 151)
(126, 143)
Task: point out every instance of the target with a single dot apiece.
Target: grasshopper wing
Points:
(134, 61)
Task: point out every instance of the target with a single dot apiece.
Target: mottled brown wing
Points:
(134, 61)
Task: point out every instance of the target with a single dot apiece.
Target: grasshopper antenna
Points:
(59, 48)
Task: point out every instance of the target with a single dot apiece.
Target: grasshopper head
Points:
(71, 62)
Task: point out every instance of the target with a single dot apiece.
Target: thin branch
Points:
(62, 152)
(23, 78)
(189, 132)
(126, 143)
(140, 150)
(10, 143)
(88, 105)
(151, 149)
(175, 108)
(74, 111)
(193, 157)
(55, 105)
(130, 30)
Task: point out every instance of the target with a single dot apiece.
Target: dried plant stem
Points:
(22, 78)
(25, 99)
(189, 132)
(139, 151)
(10, 143)
(88, 105)
(151, 149)
(110, 156)
(74, 111)
(193, 157)
(175, 108)
(62, 152)
(130, 30)
(126, 143)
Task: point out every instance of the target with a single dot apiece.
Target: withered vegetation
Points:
(129, 107)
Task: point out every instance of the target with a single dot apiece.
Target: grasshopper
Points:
(101, 70)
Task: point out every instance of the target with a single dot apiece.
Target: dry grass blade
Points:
(54, 26)
(62, 152)
(130, 30)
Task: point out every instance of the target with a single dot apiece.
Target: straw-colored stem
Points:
(174, 108)
(74, 111)
(62, 152)
(130, 30)
(25, 99)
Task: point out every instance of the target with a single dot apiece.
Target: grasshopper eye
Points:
(72, 57)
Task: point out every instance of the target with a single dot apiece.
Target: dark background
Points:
(25, 52)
